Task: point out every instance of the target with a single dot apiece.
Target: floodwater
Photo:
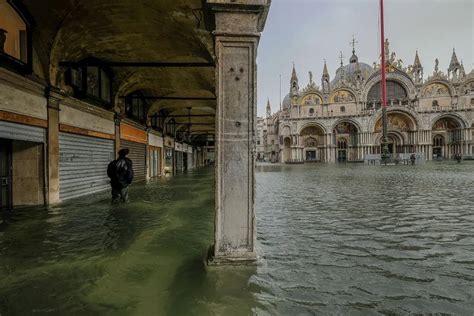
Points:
(332, 239)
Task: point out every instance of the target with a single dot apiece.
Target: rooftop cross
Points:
(353, 43)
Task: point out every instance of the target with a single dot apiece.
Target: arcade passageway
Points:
(173, 81)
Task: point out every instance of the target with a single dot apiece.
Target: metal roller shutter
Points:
(83, 162)
(138, 156)
(27, 133)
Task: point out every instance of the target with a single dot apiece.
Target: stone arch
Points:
(412, 116)
(311, 98)
(312, 124)
(345, 120)
(398, 76)
(345, 94)
(432, 88)
(285, 130)
(454, 116)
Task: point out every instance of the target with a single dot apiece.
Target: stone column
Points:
(54, 97)
(117, 119)
(237, 33)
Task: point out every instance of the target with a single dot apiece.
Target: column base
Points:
(238, 259)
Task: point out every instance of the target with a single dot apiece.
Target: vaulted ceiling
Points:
(131, 31)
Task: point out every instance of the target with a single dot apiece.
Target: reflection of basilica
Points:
(341, 121)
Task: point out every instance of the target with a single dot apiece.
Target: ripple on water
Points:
(358, 239)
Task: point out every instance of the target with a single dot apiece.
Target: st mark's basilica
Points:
(341, 120)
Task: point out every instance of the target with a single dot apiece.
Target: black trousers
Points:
(119, 194)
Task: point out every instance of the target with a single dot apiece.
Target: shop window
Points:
(171, 127)
(15, 37)
(135, 107)
(158, 121)
(91, 80)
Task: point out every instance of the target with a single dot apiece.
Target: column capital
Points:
(54, 96)
(238, 17)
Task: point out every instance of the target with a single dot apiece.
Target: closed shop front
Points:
(155, 161)
(135, 140)
(83, 162)
(155, 149)
(22, 164)
(138, 156)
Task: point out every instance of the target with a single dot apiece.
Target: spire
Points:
(454, 60)
(293, 73)
(269, 109)
(342, 58)
(462, 71)
(294, 87)
(325, 78)
(325, 69)
(417, 62)
(354, 59)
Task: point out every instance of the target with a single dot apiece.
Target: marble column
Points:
(237, 33)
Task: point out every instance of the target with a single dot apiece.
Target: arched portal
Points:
(400, 133)
(313, 143)
(438, 146)
(346, 131)
(286, 149)
(449, 130)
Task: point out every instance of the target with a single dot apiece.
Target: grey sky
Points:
(308, 31)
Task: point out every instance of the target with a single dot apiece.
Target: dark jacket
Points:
(120, 172)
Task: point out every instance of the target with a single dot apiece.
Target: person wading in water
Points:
(120, 172)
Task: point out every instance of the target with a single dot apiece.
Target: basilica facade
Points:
(341, 120)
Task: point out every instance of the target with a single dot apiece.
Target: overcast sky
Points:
(308, 31)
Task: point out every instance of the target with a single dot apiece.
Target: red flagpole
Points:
(384, 152)
(382, 37)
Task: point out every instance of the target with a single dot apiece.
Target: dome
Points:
(286, 102)
(350, 72)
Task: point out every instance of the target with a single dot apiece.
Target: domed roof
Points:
(286, 102)
(350, 72)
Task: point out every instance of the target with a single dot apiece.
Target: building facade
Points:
(341, 120)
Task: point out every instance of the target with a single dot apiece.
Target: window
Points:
(91, 80)
(311, 111)
(395, 91)
(15, 38)
(472, 101)
(438, 141)
(170, 128)
(435, 103)
(135, 107)
(343, 109)
(342, 143)
(158, 121)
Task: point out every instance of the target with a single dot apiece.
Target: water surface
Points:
(332, 239)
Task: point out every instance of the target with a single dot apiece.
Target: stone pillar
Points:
(54, 97)
(237, 33)
(117, 119)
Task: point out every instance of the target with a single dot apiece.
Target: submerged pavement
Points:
(348, 239)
